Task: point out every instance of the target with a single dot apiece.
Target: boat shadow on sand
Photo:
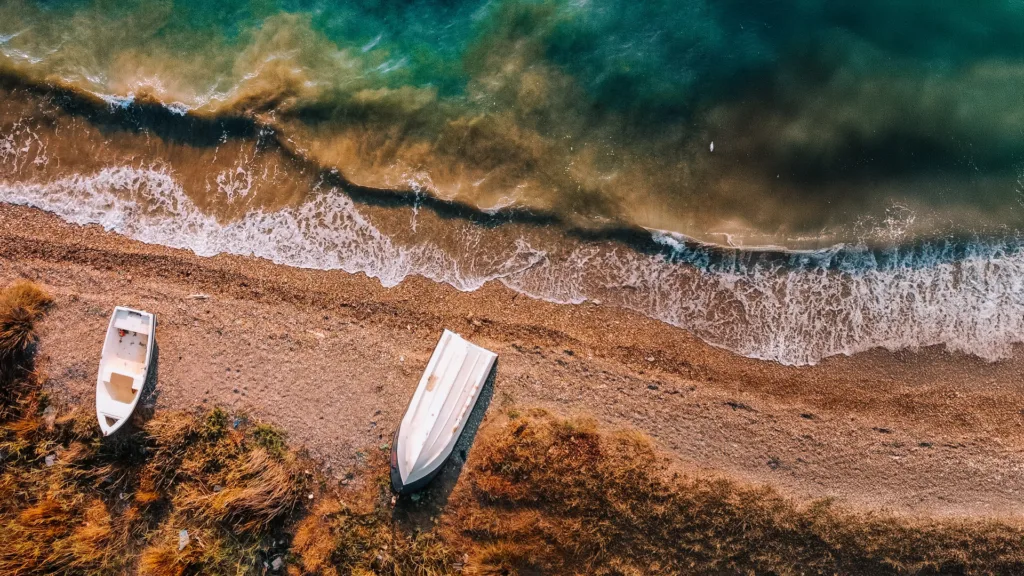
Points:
(416, 510)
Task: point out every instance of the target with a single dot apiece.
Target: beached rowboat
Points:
(124, 366)
(438, 411)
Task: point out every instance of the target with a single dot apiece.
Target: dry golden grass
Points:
(21, 305)
(257, 490)
(337, 540)
(29, 296)
(96, 508)
(554, 496)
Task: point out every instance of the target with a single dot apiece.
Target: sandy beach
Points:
(333, 358)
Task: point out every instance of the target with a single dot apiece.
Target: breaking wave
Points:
(794, 308)
(601, 111)
(799, 308)
(326, 233)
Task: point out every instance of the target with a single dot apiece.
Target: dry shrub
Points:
(211, 478)
(111, 505)
(22, 304)
(162, 559)
(315, 539)
(17, 332)
(556, 496)
(63, 533)
(209, 551)
(28, 296)
(92, 543)
(337, 540)
(257, 490)
(500, 559)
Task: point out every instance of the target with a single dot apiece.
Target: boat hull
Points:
(397, 485)
(439, 411)
(125, 364)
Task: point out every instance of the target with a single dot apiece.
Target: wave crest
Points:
(794, 308)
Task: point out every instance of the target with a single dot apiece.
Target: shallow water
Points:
(866, 159)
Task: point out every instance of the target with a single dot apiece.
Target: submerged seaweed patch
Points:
(825, 113)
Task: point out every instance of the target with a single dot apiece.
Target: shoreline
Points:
(332, 358)
(145, 112)
(216, 187)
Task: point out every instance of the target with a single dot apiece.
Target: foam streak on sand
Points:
(326, 232)
(795, 308)
(801, 308)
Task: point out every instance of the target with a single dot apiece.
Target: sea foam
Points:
(803, 307)
(325, 233)
(795, 308)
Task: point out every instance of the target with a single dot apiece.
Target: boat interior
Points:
(123, 372)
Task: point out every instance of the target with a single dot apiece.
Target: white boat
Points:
(438, 411)
(124, 366)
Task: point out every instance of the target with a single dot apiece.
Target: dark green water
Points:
(888, 137)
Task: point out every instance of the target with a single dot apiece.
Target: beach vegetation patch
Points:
(22, 304)
(549, 495)
(270, 439)
(162, 497)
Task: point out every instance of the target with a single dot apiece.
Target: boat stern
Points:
(107, 424)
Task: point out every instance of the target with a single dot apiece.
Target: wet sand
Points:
(333, 359)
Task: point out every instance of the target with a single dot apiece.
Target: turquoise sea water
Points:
(573, 150)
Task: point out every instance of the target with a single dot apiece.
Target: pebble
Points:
(183, 539)
(49, 417)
